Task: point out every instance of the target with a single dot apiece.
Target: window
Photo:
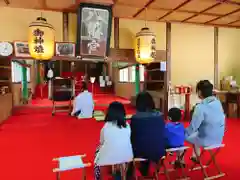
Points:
(141, 70)
(123, 75)
(133, 71)
(17, 73)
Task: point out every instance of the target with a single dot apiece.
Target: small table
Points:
(227, 97)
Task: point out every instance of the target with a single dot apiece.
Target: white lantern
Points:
(41, 39)
(145, 49)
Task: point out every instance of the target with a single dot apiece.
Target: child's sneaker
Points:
(195, 160)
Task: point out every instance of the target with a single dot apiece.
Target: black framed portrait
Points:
(94, 30)
(65, 49)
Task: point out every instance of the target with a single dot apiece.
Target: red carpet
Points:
(29, 142)
(100, 99)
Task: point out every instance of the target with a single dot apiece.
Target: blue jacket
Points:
(208, 123)
(175, 135)
(147, 135)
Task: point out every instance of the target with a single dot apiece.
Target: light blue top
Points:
(85, 104)
(208, 123)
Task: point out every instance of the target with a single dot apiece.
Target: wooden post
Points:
(65, 35)
(116, 32)
(216, 75)
(167, 77)
(116, 44)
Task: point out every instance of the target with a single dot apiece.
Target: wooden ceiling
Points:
(224, 13)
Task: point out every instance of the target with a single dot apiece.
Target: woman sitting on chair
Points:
(115, 144)
(148, 133)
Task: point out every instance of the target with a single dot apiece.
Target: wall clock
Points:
(6, 49)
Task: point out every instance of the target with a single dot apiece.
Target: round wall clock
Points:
(6, 49)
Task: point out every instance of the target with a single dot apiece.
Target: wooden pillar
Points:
(116, 32)
(216, 75)
(65, 35)
(167, 77)
(116, 45)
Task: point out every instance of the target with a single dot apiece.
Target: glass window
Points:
(17, 73)
(133, 75)
(133, 71)
(123, 75)
(141, 70)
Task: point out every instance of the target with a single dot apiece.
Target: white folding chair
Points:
(69, 163)
(158, 166)
(213, 151)
(180, 153)
(115, 167)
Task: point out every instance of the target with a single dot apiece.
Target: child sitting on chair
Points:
(175, 132)
(115, 143)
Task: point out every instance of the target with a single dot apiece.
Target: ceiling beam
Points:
(233, 22)
(232, 2)
(203, 11)
(43, 4)
(202, 24)
(175, 9)
(222, 16)
(141, 10)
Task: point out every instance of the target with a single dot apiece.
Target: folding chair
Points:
(213, 150)
(115, 167)
(180, 157)
(70, 163)
(158, 166)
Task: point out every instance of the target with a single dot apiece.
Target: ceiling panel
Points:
(235, 1)
(166, 4)
(178, 16)
(60, 5)
(224, 20)
(201, 18)
(124, 11)
(198, 5)
(28, 4)
(223, 9)
(2, 3)
(136, 3)
(152, 14)
(235, 15)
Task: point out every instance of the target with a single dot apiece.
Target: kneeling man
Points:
(83, 105)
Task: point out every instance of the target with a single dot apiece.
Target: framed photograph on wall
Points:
(65, 49)
(94, 30)
(21, 49)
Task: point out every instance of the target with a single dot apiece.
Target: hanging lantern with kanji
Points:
(145, 49)
(41, 39)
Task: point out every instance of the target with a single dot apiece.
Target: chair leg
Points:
(162, 164)
(213, 155)
(181, 165)
(57, 175)
(200, 162)
(135, 171)
(84, 177)
(123, 171)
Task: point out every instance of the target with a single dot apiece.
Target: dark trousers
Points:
(144, 169)
(79, 112)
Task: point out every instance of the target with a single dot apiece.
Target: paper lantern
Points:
(41, 39)
(145, 49)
